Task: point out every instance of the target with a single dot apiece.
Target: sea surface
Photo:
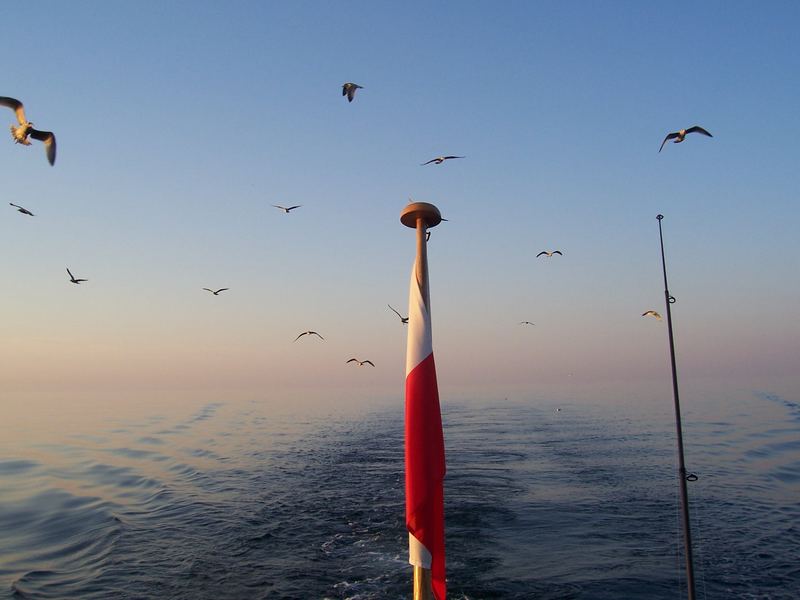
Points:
(544, 500)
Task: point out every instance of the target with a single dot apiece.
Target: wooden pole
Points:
(423, 589)
(421, 216)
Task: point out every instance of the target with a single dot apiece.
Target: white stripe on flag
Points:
(418, 555)
(420, 344)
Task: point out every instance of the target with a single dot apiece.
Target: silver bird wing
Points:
(669, 137)
(16, 106)
(21, 209)
(698, 129)
(49, 143)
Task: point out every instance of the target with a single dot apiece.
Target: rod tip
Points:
(659, 217)
(416, 210)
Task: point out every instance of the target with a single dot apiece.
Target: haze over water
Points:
(243, 500)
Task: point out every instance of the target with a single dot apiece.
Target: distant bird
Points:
(309, 333)
(216, 293)
(526, 323)
(349, 90)
(72, 278)
(679, 136)
(285, 209)
(652, 313)
(24, 211)
(440, 159)
(25, 129)
(402, 318)
(361, 363)
(549, 254)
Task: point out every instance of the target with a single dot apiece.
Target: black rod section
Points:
(682, 476)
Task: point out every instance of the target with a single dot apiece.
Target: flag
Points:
(425, 466)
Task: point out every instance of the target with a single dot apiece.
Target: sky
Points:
(180, 124)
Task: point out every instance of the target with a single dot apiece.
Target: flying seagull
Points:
(24, 211)
(349, 90)
(440, 159)
(72, 277)
(286, 209)
(25, 129)
(549, 254)
(679, 136)
(652, 313)
(361, 363)
(402, 318)
(526, 323)
(216, 293)
(309, 333)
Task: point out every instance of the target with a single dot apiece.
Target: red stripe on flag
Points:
(425, 467)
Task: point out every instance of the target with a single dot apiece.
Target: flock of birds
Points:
(24, 130)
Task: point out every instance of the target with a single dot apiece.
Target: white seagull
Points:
(402, 318)
(24, 211)
(679, 136)
(526, 323)
(286, 209)
(25, 129)
(72, 278)
(361, 363)
(216, 293)
(349, 90)
(309, 333)
(652, 313)
(549, 254)
(440, 159)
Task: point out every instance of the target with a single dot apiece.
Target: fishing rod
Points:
(682, 476)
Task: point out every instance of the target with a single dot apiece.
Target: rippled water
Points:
(230, 500)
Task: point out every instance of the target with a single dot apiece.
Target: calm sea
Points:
(543, 501)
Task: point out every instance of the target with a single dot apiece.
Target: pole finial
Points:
(659, 217)
(416, 210)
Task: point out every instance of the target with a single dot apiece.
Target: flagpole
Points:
(421, 216)
(423, 589)
(682, 476)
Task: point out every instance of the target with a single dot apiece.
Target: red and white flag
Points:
(425, 465)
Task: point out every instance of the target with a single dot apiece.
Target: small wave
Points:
(17, 467)
(794, 407)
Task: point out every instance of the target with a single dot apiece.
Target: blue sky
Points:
(179, 124)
